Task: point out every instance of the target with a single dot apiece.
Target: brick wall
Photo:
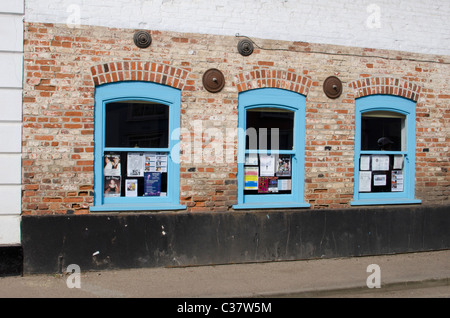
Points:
(63, 65)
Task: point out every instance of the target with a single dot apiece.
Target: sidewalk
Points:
(306, 278)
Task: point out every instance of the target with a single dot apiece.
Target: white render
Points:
(11, 77)
(420, 26)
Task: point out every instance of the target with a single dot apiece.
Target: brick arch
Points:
(259, 78)
(386, 85)
(139, 71)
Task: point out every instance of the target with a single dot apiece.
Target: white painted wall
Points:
(11, 66)
(420, 26)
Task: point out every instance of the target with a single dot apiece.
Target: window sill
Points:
(385, 201)
(278, 205)
(136, 207)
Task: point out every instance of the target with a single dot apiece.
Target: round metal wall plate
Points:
(213, 80)
(332, 87)
(245, 47)
(142, 39)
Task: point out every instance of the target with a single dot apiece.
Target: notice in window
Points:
(397, 181)
(364, 163)
(380, 163)
(135, 164)
(284, 184)
(112, 165)
(251, 178)
(379, 180)
(398, 162)
(365, 181)
(112, 186)
(131, 187)
(273, 184)
(267, 165)
(152, 184)
(284, 166)
(263, 185)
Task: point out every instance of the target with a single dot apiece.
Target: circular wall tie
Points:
(332, 87)
(142, 39)
(245, 47)
(213, 80)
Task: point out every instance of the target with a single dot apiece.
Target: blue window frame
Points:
(135, 108)
(385, 145)
(268, 116)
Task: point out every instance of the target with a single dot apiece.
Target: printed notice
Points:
(267, 165)
(364, 163)
(365, 181)
(397, 181)
(380, 163)
(398, 162)
(135, 164)
(251, 178)
(131, 187)
(379, 180)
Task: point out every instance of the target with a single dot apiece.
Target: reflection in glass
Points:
(137, 124)
(382, 131)
(270, 128)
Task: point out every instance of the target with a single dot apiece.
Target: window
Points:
(136, 164)
(384, 150)
(271, 149)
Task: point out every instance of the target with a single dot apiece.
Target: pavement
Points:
(303, 278)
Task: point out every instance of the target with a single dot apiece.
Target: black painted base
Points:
(132, 240)
(11, 259)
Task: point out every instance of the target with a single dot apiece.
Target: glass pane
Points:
(270, 128)
(379, 132)
(137, 124)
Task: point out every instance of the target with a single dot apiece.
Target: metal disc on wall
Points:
(245, 47)
(142, 39)
(213, 80)
(332, 87)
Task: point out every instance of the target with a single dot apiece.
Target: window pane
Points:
(379, 132)
(137, 125)
(267, 127)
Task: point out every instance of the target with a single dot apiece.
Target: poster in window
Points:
(273, 184)
(398, 162)
(152, 183)
(379, 180)
(284, 166)
(135, 164)
(267, 165)
(155, 162)
(397, 181)
(131, 187)
(364, 163)
(251, 178)
(251, 159)
(112, 165)
(380, 163)
(263, 185)
(284, 184)
(112, 186)
(365, 181)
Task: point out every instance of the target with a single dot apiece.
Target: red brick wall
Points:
(62, 66)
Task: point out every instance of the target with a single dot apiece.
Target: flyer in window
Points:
(380, 163)
(251, 159)
(135, 164)
(267, 165)
(273, 184)
(365, 181)
(284, 166)
(250, 178)
(152, 184)
(284, 184)
(131, 187)
(112, 165)
(398, 162)
(263, 185)
(379, 180)
(112, 186)
(364, 163)
(397, 181)
(155, 162)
